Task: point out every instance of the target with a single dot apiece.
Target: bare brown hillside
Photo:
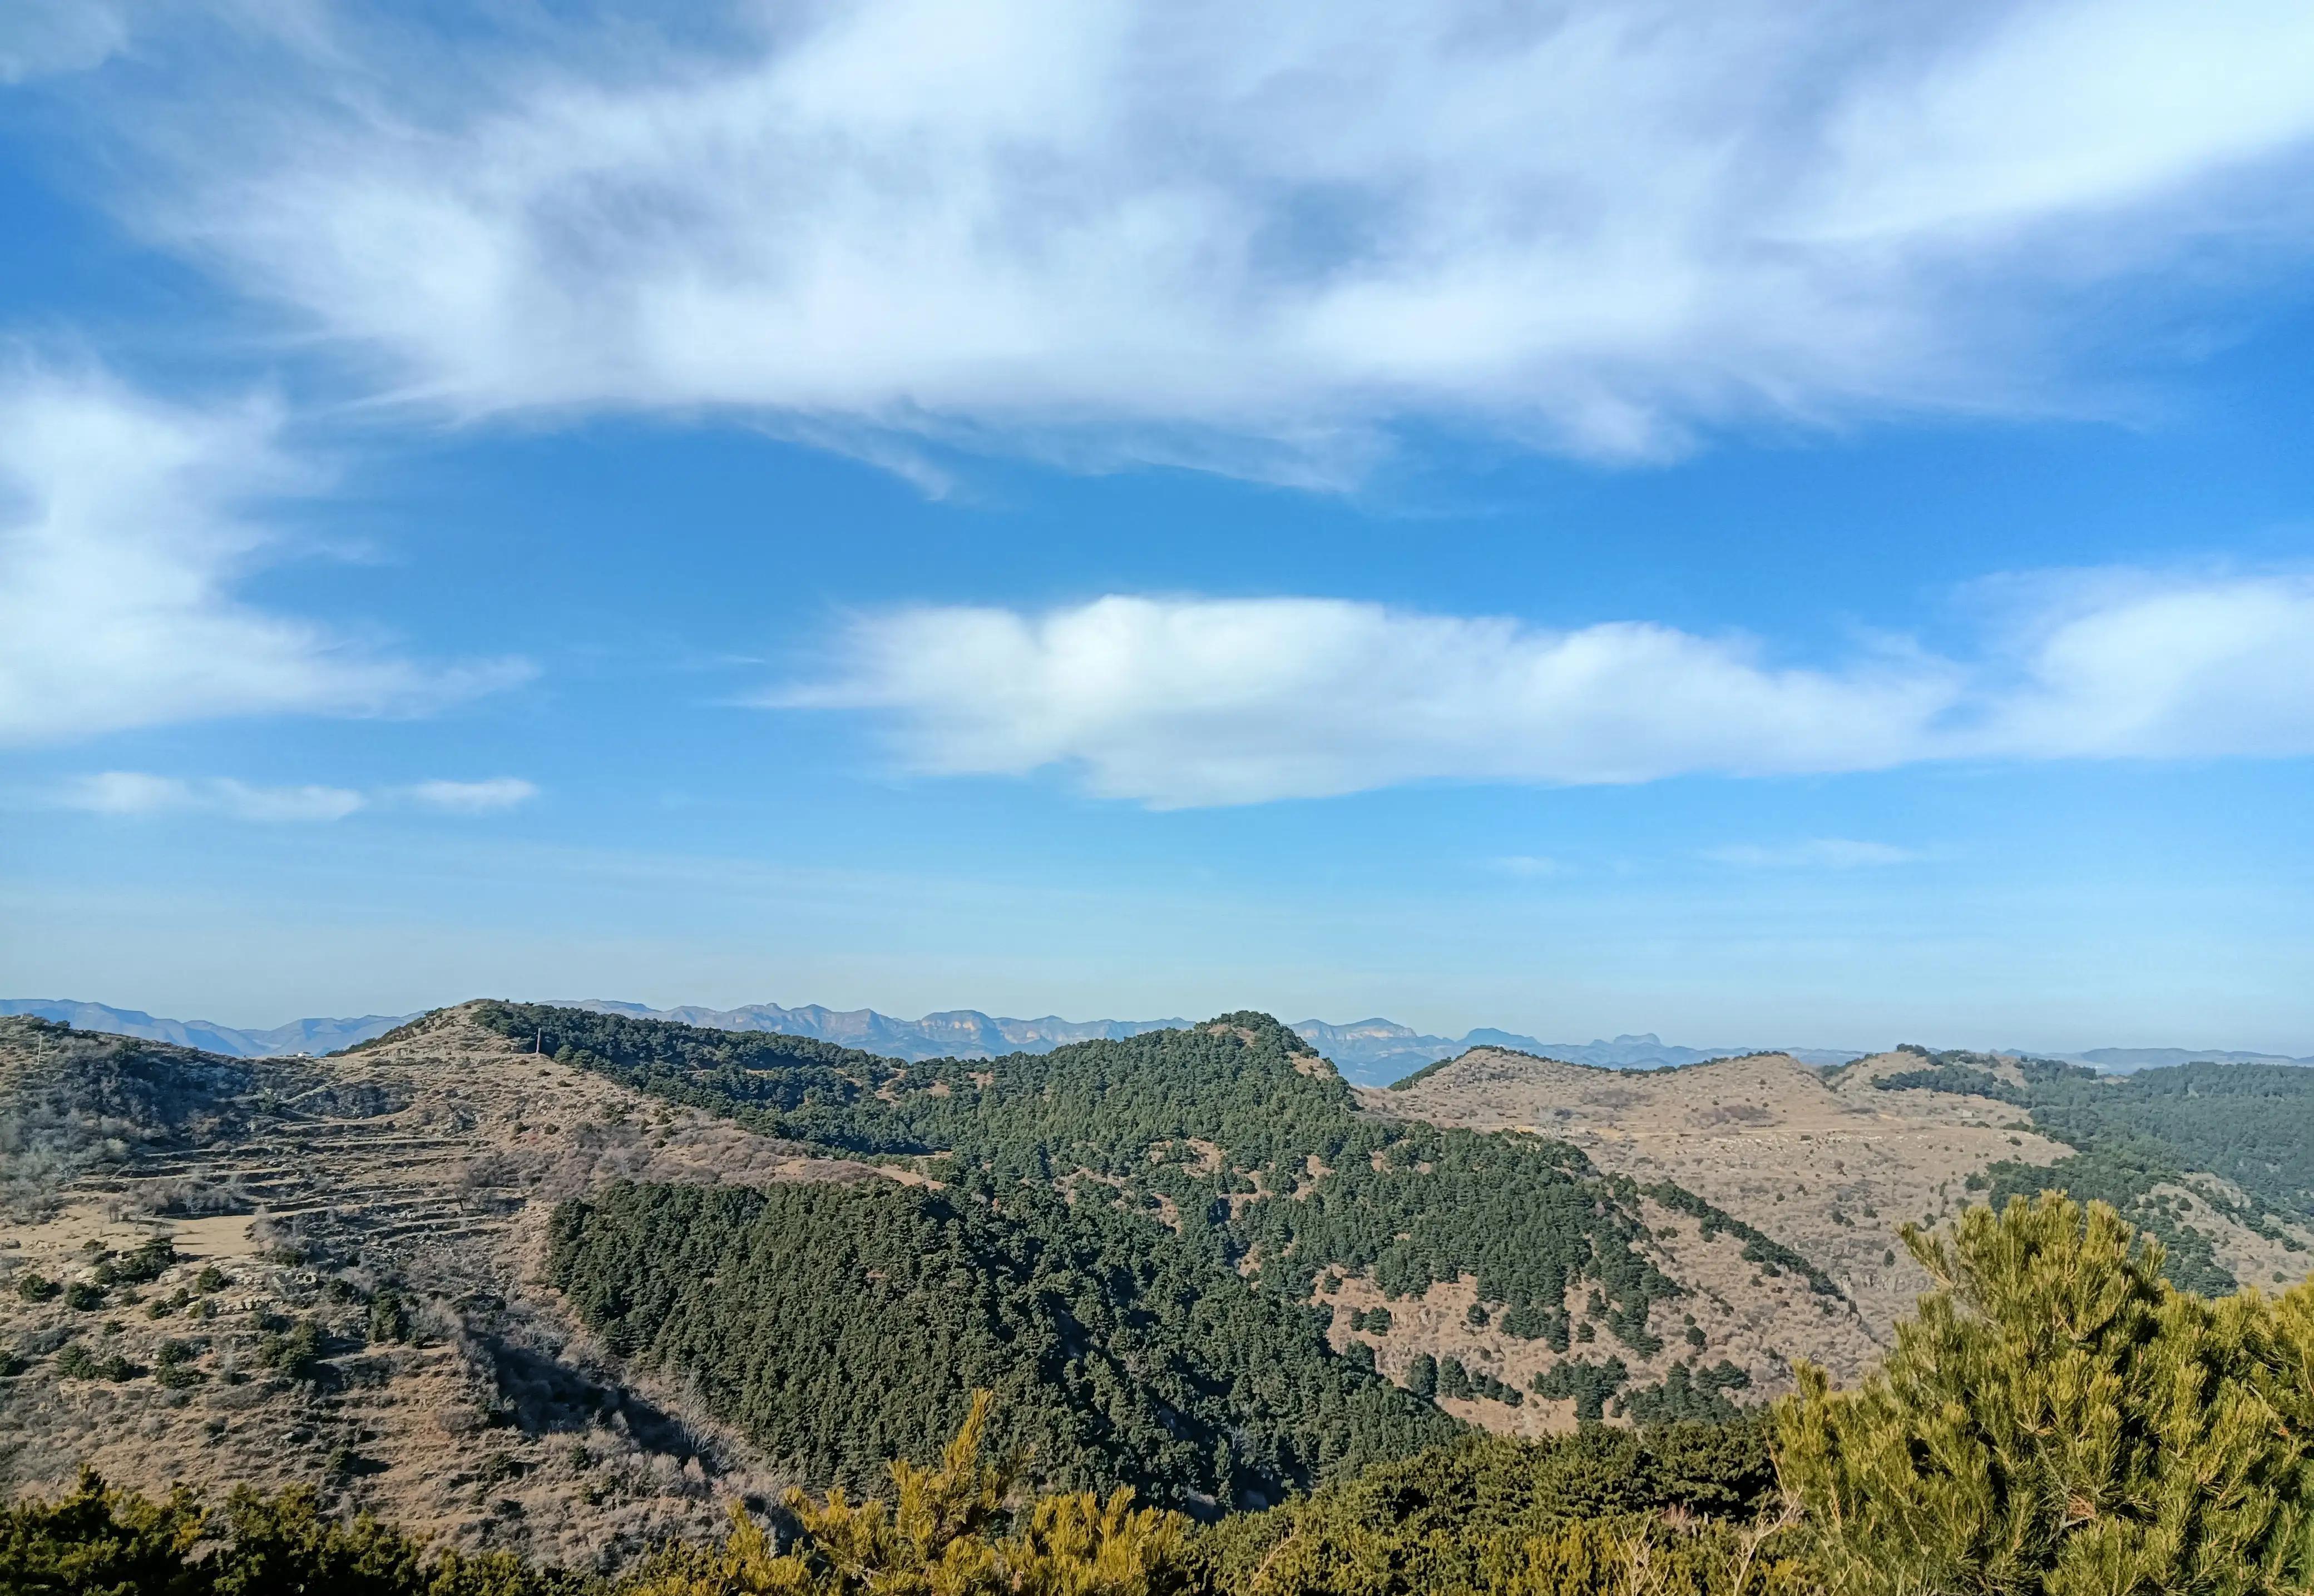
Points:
(1831, 1172)
(1761, 1320)
(394, 1200)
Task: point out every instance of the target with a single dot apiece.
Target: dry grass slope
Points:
(1825, 1162)
(420, 1170)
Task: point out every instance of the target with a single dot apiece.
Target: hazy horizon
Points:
(1452, 1031)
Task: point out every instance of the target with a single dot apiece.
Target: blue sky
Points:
(1798, 527)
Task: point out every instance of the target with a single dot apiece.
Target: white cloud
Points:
(2069, 108)
(125, 523)
(139, 793)
(2126, 668)
(1201, 702)
(1249, 237)
(1836, 853)
(1195, 702)
(472, 797)
(1527, 866)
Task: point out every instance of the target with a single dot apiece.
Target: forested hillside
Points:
(2145, 1141)
(1234, 1133)
(2057, 1419)
(844, 1325)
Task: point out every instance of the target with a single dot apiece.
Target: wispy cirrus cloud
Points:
(127, 523)
(1834, 854)
(1254, 238)
(142, 793)
(1181, 702)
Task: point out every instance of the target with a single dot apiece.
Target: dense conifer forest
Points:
(843, 1325)
(1233, 1131)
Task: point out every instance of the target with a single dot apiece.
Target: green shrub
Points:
(389, 1316)
(98, 1541)
(2059, 1418)
(1495, 1515)
(149, 1263)
(103, 1542)
(1590, 1385)
(292, 1354)
(946, 1532)
(172, 1365)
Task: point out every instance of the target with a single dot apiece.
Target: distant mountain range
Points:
(2128, 1061)
(1371, 1052)
(1375, 1052)
(955, 1033)
(299, 1036)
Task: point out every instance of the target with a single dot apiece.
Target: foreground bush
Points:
(1671, 1507)
(96, 1541)
(945, 1534)
(1630, 1555)
(2059, 1419)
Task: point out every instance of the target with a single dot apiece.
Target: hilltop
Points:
(1487, 1262)
(1370, 1051)
(1831, 1162)
(1373, 1050)
(321, 1270)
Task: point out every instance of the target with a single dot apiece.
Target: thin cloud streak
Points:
(1834, 853)
(138, 794)
(1187, 702)
(1253, 238)
(471, 798)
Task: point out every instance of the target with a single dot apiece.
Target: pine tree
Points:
(939, 1536)
(2059, 1419)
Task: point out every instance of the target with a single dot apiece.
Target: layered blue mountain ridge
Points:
(1370, 1051)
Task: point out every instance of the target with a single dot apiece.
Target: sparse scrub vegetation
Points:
(2250, 1124)
(294, 1354)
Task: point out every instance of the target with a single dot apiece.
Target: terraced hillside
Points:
(321, 1270)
